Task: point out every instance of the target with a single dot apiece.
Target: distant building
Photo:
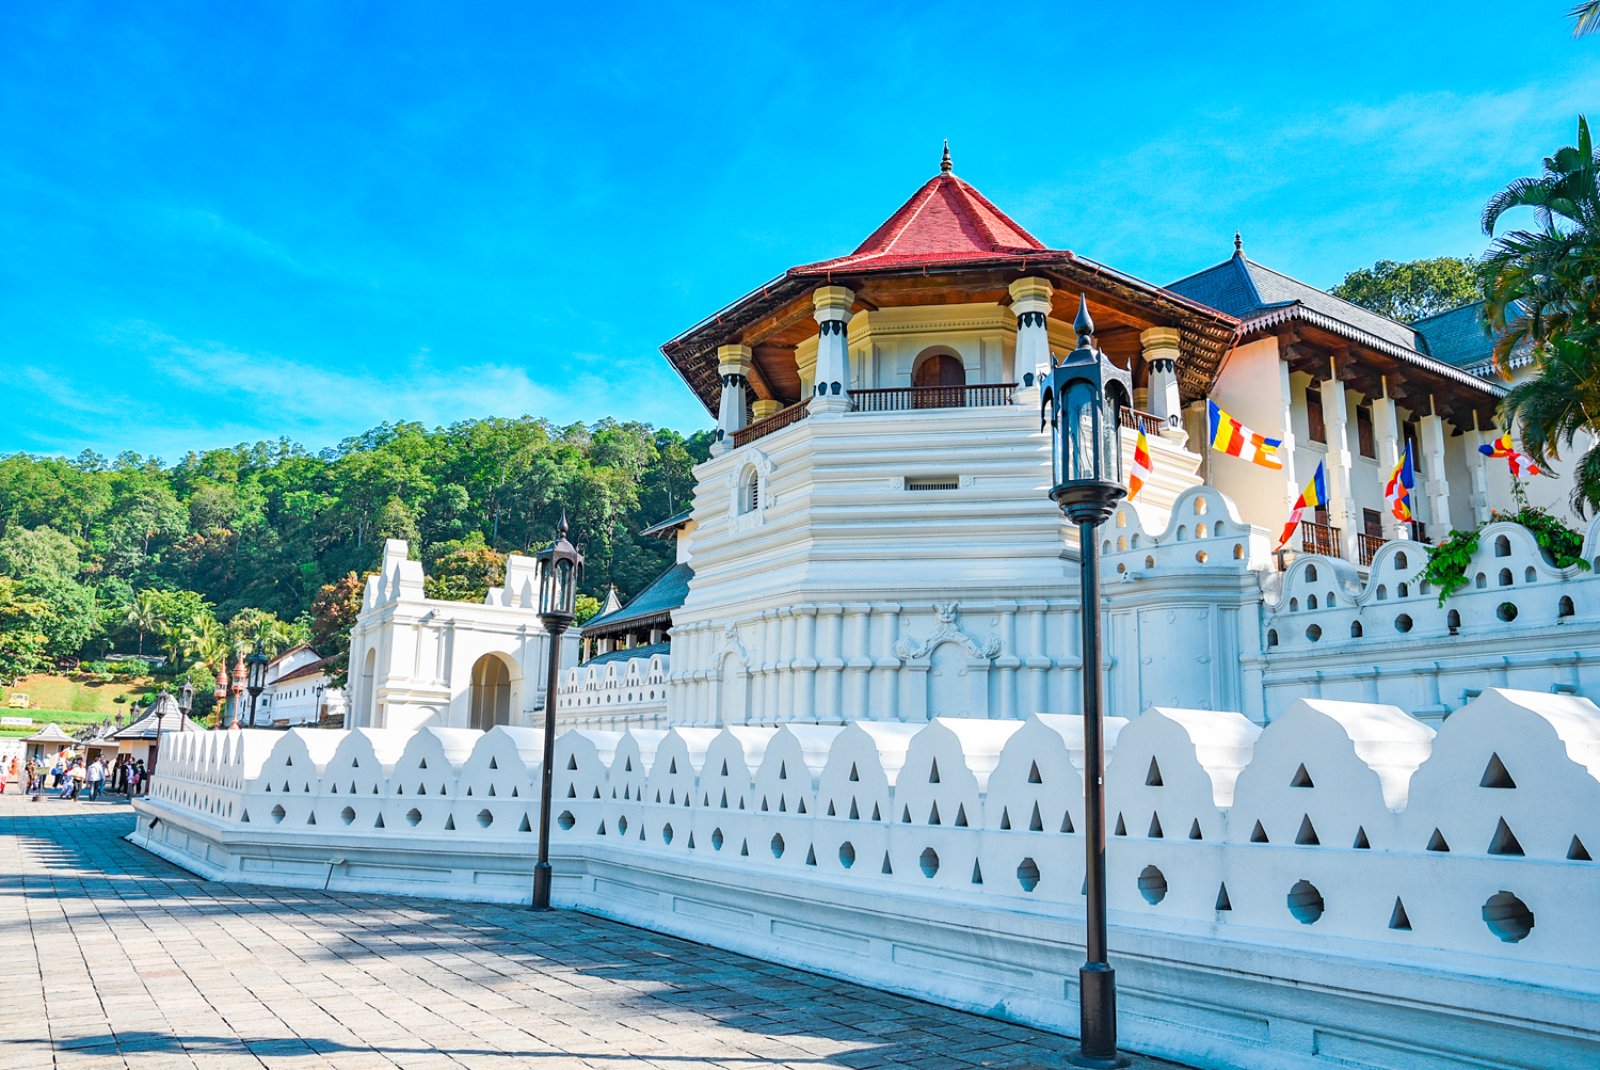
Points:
(299, 690)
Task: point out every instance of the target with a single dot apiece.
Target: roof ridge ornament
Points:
(944, 164)
(1238, 244)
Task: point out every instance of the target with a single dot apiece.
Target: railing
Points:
(1367, 547)
(907, 398)
(1319, 538)
(1148, 422)
(776, 422)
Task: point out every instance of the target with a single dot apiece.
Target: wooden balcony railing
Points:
(1319, 538)
(1367, 547)
(907, 398)
(776, 422)
(1148, 422)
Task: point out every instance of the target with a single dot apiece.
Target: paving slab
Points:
(120, 959)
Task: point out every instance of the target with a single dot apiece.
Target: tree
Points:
(333, 614)
(1544, 292)
(1409, 291)
(1557, 406)
(1585, 18)
(23, 623)
(252, 628)
(145, 615)
(465, 570)
(29, 552)
(1544, 283)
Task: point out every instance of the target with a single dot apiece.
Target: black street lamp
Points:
(1083, 398)
(186, 697)
(256, 676)
(559, 565)
(317, 701)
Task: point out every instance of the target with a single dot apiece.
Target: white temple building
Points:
(1351, 825)
(871, 538)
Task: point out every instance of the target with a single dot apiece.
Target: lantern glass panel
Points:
(1082, 440)
(564, 595)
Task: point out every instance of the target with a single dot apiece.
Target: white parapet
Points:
(1342, 887)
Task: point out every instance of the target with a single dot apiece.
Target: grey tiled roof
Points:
(1244, 288)
(629, 655)
(1461, 337)
(664, 594)
(162, 715)
(1259, 296)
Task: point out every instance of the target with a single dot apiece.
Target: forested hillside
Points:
(201, 557)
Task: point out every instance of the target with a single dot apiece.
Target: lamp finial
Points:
(561, 527)
(1084, 324)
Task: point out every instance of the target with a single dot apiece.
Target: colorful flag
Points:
(1397, 492)
(1315, 494)
(1235, 439)
(1141, 467)
(1502, 447)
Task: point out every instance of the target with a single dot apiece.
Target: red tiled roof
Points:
(945, 221)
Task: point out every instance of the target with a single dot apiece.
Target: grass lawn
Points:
(71, 700)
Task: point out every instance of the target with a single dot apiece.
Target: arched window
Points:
(749, 491)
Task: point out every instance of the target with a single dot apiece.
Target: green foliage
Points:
(1409, 291)
(585, 607)
(1449, 560)
(168, 551)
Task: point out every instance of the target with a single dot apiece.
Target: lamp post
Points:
(219, 696)
(186, 697)
(1083, 398)
(256, 673)
(559, 564)
(317, 701)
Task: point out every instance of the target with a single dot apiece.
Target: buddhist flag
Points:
(1235, 439)
(1397, 492)
(1502, 447)
(1141, 467)
(1315, 494)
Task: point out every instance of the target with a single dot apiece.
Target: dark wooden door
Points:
(939, 383)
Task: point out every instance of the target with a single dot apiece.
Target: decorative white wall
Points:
(1345, 886)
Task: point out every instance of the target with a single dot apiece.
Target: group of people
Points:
(73, 778)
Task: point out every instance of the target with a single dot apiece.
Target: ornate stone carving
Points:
(949, 631)
(730, 644)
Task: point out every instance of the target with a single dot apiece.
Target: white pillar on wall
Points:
(1342, 506)
(832, 390)
(733, 365)
(1293, 485)
(1480, 474)
(1386, 426)
(1160, 345)
(1436, 486)
(1031, 303)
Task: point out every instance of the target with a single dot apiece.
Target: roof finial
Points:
(944, 164)
(1238, 244)
(1084, 324)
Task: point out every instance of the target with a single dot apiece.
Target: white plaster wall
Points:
(1373, 942)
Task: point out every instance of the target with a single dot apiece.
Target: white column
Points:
(830, 663)
(885, 688)
(832, 391)
(1386, 426)
(805, 665)
(1293, 485)
(1161, 357)
(1341, 505)
(857, 661)
(1435, 486)
(733, 365)
(1030, 302)
(1480, 474)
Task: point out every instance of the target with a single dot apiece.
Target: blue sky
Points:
(226, 222)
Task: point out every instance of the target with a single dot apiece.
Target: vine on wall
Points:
(1449, 560)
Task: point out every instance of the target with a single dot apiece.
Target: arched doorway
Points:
(490, 698)
(369, 688)
(939, 379)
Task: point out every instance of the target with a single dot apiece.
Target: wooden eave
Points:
(776, 318)
(1321, 347)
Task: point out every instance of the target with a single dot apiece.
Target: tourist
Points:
(55, 773)
(120, 784)
(97, 777)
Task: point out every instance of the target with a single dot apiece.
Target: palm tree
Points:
(145, 615)
(1558, 405)
(1585, 18)
(206, 643)
(1544, 284)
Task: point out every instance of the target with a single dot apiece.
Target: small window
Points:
(1316, 427)
(1364, 437)
(1372, 523)
(750, 492)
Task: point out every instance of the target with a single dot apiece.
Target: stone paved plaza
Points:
(116, 958)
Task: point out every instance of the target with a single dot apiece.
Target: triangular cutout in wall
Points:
(1122, 827)
(961, 816)
(1301, 778)
(1258, 834)
(1495, 775)
(1033, 774)
(1577, 852)
(1194, 830)
(1152, 776)
(1436, 842)
(977, 873)
(1307, 836)
(1223, 902)
(1154, 831)
(1036, 822)
(1398, 918)
(1504, 841)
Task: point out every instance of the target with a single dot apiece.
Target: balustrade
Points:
(907, 398)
